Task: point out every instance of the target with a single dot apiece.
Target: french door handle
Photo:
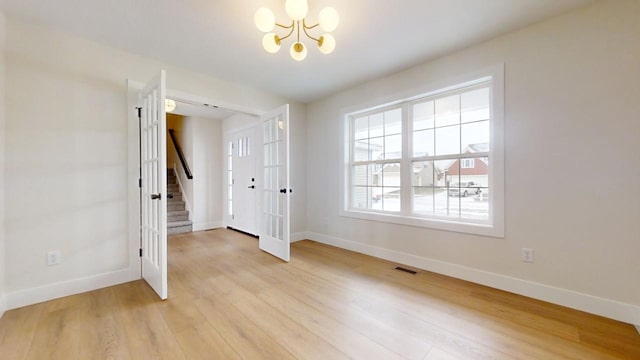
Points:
(284, 191)
(251, 187)
(156, 196)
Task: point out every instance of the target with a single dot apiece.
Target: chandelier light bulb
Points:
(298, 51)
(326, 44)
(169, 105)
(296, 9)
(265, 20)
(328, 19)
(271, 43)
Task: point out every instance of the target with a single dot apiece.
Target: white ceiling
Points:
(218, 37)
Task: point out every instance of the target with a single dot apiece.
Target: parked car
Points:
(464, 188)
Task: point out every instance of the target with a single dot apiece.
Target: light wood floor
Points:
(229, 300)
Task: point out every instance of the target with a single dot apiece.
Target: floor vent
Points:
(406, 270)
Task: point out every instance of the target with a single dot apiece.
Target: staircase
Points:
(177, 216)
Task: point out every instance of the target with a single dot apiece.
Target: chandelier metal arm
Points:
(305, 28)
(291, 27)
(309, 27)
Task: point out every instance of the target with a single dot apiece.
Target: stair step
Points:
(176, 196)
(178, 223)
(181, 217)
(175, 207)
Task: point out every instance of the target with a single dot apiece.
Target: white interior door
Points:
(274, 228)
(153, 160)
(243, 181)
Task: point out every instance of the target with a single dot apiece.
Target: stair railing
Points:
(183, 160)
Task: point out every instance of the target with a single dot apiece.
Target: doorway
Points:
(241, 165)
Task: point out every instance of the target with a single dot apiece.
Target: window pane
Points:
(376, 175)
(360, 175)
(376, 148)
(423, 199)
(475, 105)
(376, 125)
(361, 128)
(475, 137)
(422, 174)
(448, 111)
(444, 171)
(423, 143)
(361, 197)
(391, 175)
(393, 122)
(423, 116)
(391, 199)
(446, 205)
(393, 147)
(448, 140)
(361, 150)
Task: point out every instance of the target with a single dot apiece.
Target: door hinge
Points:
(139, 111)
(140, 183)
(140, 252)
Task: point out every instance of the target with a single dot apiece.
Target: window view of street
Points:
(448, 153)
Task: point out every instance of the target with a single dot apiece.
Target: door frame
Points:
(133, 159)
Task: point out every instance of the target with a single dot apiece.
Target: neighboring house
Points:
(470, 169)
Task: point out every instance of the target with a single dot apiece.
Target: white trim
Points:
(637, 328)
(613, 309)
(294, 237)
(207, 225)
(56, 290)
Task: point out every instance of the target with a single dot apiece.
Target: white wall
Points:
(208, 169)
(2, 146)
(69, 174)
(571, 112)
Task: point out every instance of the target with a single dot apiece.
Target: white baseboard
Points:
(47, 292)
(592, 304)
(207, 225)
(298, 236)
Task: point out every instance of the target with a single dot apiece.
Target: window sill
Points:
(436, 224)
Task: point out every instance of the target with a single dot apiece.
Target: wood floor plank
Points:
(229, 300)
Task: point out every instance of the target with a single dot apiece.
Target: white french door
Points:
(153, 162)
(242, 171)
(276, 191)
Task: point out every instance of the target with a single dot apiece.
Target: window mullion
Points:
(405, 165)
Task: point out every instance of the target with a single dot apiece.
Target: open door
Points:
(153, 163)
(274, 224)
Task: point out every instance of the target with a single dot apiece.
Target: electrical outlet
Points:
(527, 255)
(53, 257)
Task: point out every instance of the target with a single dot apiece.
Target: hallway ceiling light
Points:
(297, 10)
(169, 105)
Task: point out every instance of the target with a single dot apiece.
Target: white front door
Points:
(153, 162)
(242, 175)
(276, 191)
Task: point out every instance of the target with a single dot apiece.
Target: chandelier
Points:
(297, 10)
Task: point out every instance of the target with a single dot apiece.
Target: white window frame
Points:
(494, 226)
